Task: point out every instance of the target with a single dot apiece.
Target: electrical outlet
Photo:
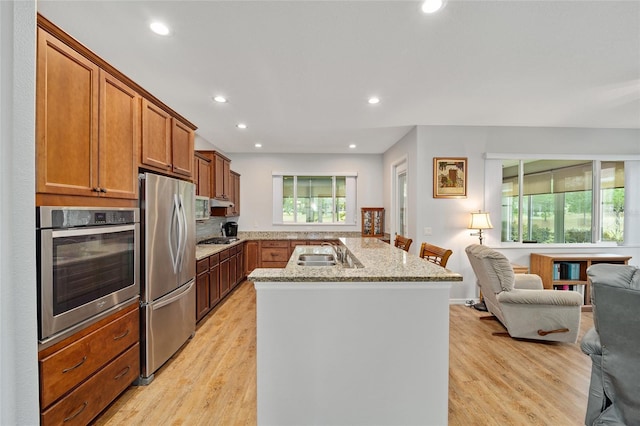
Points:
(427, 230)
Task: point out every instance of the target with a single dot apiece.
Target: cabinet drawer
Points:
(91, 397)
(214, 259)
(283, 243)
(202, 266)
(69, 366)
(274, 254)
(224, 254)
(273, 264)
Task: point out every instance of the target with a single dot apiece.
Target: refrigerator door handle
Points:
(174, 298)
(173, 250)
(182, 232)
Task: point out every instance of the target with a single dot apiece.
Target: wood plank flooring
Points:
(492, 380)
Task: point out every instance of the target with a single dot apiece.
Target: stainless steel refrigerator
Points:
(168, 317)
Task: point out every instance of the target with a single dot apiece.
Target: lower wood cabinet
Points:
(216, 276)
(251, 256)
(274, 253)
(83, 374)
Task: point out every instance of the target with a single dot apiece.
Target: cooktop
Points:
(219, 240)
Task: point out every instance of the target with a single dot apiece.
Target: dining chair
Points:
(403, 242)
(435, 254)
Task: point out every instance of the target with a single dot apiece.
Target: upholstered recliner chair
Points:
(519, 301)
(614, 346)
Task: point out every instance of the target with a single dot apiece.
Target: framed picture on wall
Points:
(449, 177)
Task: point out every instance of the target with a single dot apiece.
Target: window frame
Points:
(351, 197)
(493, 199)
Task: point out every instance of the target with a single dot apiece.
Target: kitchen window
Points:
(314, 199)
(562, 201)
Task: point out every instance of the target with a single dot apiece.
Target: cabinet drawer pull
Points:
(80, 410)
(103, 190)
(122, 335)
(123, 372)
(66, 370)
(96, 189)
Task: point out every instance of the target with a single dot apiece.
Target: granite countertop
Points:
(206, 250)
(382, 263)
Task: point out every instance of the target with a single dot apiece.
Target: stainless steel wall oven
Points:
(88, 266)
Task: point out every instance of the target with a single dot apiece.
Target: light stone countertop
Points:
(382, 263)
(206, 250)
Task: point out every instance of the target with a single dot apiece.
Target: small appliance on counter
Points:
(231, 229)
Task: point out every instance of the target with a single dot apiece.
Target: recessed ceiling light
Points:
(374, 100)
(159, 28)
(432, 6)
(352, 146)
(241, 126)
(220, 99)
(258, 145)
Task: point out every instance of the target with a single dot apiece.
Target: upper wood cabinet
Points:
(167, 143)
(95, 127)
(221, 177)
(87, 126)
(202, 175)
(156, 136)
(234, 190)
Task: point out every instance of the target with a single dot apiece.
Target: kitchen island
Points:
(360, 345)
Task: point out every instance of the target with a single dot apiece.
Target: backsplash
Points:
(209, 228)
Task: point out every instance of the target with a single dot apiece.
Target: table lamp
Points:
(480, 221)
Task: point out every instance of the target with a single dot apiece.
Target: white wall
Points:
(449, 218)
(256, 185)
(18, 336)
(404, 150)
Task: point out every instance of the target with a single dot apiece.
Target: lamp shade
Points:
(480, 220)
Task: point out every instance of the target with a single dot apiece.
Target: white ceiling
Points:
(299, 73)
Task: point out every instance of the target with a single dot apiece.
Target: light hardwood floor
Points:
(492, 380)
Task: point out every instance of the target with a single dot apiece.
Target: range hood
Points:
(220, 203)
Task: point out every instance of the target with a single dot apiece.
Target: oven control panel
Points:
(73, 217)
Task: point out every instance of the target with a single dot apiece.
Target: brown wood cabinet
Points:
(202, 175)
(202, 288)
(95, 127)
(251, 256)
(240, 275)
(167, 143)
(554, 269)
(234, 190)
(214, 280)
(225, 183)
(87, 127)
(207, 285)
(221, 177)
(372, 221)
(274, 253)
(84, 373)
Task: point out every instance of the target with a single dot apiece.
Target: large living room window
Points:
(314, 198)
(562, 201)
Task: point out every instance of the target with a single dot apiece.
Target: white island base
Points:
(370, 353)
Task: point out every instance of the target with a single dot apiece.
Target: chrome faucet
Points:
(337, 249)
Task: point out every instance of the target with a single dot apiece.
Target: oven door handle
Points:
(91, 231)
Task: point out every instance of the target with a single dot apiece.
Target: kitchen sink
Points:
(316, 262)
(317, 258)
